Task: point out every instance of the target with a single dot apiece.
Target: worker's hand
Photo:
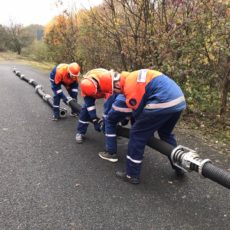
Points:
(132, 120)
(125, 121)
(68, 100)
(97, 124)
(64, 99)
(102, 124)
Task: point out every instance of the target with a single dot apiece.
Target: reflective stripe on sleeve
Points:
(75, 90)
(110, 135)
(142, 74)
(166, 104)
(134, 161)
(120, 109)
(83, 122)
(51, 80)
(59, 91)
(56, 106)
(91, 108)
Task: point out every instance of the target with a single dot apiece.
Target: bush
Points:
(36, 51)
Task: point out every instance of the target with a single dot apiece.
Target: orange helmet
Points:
(74, 69)
(88, 87)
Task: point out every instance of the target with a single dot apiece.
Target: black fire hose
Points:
(216, 174)
(159, 145)
(40, 91)
(74, 106)
(186, 159)
(181, 156)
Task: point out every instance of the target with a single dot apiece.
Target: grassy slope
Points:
(4, 56)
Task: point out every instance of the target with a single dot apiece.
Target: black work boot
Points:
(179, 172)
(132, 180)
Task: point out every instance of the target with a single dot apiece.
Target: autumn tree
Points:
(61, 37)
(188, 40)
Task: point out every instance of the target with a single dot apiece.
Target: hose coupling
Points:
(63, 112)
(46, 97)
(31, 81)
(18, 73)
(188, 159)
(38, 87)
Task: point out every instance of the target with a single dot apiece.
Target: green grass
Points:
(10, 56)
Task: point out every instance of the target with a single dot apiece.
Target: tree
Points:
(61, 37)
(18, 37)
(3, 38)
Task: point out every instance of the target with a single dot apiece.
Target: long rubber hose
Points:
(40, 92)
(216, 174)
(209, 170)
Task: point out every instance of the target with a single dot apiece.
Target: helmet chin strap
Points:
(116, 87)
(97, 84)
(119, 88)
(71, 75)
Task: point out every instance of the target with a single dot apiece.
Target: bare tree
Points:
(18, 37)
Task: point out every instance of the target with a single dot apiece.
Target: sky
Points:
(27, 12)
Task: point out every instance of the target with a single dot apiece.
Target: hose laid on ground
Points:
(181, 156)
(186, 159)
(40, 91)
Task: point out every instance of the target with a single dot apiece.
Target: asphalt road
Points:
(47, 181)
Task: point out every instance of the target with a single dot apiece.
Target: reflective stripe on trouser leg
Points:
(134, 157)
(110, 136)
(73, 94)
(111, 121)
(56, 104)
(144, 127)
(83, 121)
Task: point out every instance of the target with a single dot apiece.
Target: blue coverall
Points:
(58, 93)
(87, 114)
(115, 111)
(149, 119)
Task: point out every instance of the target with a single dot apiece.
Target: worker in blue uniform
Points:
(96, 84)
(115, 111)
(157, 103)
(66, 75)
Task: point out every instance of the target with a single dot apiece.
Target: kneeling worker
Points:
(66, 75)
(96, 84)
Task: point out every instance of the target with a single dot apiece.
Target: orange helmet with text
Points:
(88, 87)
(74, 69)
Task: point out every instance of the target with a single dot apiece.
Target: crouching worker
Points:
(115, 111)
(66, 75)
(96, 84)
(157, 103)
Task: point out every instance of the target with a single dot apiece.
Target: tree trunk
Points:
(224, 94)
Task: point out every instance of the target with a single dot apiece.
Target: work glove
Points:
(64, 99)
(69, 99)
(102, 123)
(132, 120)
(125, 121)
(97, 124)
